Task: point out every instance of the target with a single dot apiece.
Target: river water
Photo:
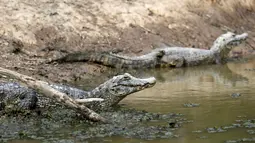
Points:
(211, 87)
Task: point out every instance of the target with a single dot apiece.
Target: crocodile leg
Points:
(217, 58)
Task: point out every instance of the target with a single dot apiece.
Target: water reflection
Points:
(211, 86)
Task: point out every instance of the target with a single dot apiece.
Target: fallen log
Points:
(44, 88)
(88, 100)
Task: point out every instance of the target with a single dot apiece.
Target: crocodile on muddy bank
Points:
(15, 96)
(46, 122)
(163, 57)
(193, 56)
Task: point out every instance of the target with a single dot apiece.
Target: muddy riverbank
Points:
(158, 114)
(34, 31)
(59, 124)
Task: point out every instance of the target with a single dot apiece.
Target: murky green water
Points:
(211, 87)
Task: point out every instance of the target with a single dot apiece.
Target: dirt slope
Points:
(46, 29)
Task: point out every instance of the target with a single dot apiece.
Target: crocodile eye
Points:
(126, 77)
(161, 53)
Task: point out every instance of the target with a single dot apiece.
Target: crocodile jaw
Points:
(239, 39)
(227, 41)
(146, 83)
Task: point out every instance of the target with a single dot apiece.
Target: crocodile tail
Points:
(79, 57)
(111, 60)
(104, 58)
(90, 56)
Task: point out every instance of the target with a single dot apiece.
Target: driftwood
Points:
(43, 88)
(88, 100)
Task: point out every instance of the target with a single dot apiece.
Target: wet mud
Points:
(52, 124)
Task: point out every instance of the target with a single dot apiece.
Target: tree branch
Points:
(89, 100)
(43, 88)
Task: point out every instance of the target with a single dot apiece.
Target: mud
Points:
(128, 123)
(240, 123)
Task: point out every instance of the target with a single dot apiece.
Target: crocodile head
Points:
(118, 87)
(227, 41)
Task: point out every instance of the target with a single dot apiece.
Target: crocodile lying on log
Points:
(184, 56)
(14, 95)
(163, 57)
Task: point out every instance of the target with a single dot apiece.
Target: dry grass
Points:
(234, 13)
(227, 4)
(240, 7)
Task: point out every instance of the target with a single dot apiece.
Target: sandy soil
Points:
(32, 31)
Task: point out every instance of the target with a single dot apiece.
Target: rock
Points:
(191, 104)
(235, 95)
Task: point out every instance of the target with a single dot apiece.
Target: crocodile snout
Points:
(147, 83)
(151, 81)
(243, 36)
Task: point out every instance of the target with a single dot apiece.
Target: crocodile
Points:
(110, 59)
(163, 57)
(186, 56)
(14, 95)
